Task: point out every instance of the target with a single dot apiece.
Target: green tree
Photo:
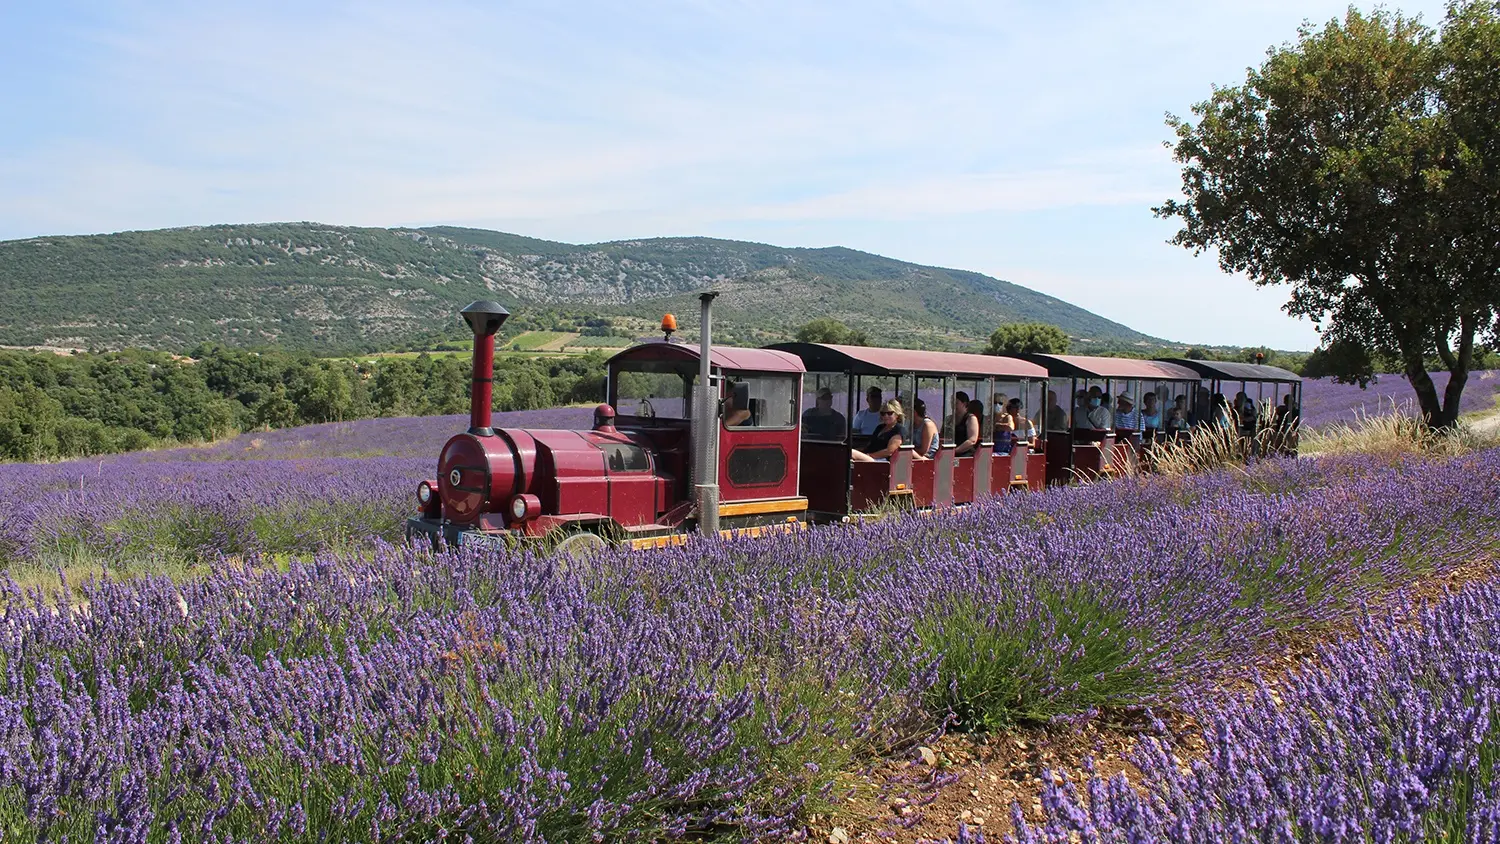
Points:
(1025, 338)
(398, 388)
(1361, 166)
(323, 393)
(275, 410)
(523, 389)
(830, 330)
(1347, 363)
(28, 424)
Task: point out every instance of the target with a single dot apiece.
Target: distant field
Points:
(587, 342)
(539, 341)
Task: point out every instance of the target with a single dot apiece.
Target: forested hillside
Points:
(322, 288)
(54, 406)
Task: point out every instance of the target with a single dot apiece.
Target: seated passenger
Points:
(733, 414)
(1246, 412)
(1081, 409)
(955, 422)
(1016, 432)
(1287, 414)
(973, 411)
(1098, 416)
(1005, 424)
(821, 421)
(1176, 421)
(1220, 413)
(887, 438)
(1150, 415)
(1025, 429)
(1057, 417)
(925, 432)
(1127, 420)
(1125, 416)
(868, 419)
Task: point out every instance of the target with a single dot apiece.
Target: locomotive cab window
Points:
(654, 389)
(759, 401)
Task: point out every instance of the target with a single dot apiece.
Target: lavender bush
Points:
(1393, 736)
(718, 687)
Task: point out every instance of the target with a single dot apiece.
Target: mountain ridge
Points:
(317, 286)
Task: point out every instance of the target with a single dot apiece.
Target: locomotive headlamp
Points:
(525, 507)
(424, 492)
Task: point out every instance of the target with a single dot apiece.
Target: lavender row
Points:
(289, 491)
(716, 687)
(1393, 736)
(403, 436)
(115, 511)
(1325, 402)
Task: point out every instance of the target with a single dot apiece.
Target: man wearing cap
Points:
(1126, 417)
(821, 421)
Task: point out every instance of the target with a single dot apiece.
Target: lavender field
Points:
(1326, 403)
(295, 490)
(712, 690)
(1394, 735)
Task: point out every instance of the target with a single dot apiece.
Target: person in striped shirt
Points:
(1126, 417)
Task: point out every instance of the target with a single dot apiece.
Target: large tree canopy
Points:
(1361, 165)
(1019, 338)
(830, 330)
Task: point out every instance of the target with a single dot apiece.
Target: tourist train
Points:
(799, 433)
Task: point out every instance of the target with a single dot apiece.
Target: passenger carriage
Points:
(1075, 447)
(1273, 396)
(836, 487)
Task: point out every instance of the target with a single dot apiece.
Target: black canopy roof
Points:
(1232, 371)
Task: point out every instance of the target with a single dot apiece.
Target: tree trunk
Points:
(1452, 397)
(1427, 395)
(1458, 363)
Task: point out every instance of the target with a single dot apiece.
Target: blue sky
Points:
(1019, 139)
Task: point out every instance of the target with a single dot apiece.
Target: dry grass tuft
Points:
(1402, 430)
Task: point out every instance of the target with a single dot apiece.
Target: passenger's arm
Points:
(971, 436)
(891, 447)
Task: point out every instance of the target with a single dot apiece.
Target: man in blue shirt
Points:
(867, 420)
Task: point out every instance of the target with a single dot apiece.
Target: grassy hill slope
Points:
(315, 286)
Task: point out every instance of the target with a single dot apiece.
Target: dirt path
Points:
(1488, 425)
(975, 779)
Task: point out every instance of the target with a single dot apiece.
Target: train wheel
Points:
(580, 547)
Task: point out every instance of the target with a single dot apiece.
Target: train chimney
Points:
(484, 319)
(706, 474)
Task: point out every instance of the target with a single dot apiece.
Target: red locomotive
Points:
(772, 442)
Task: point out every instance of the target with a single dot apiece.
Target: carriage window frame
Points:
(793, 391)
(890, 388)
(811, 383)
